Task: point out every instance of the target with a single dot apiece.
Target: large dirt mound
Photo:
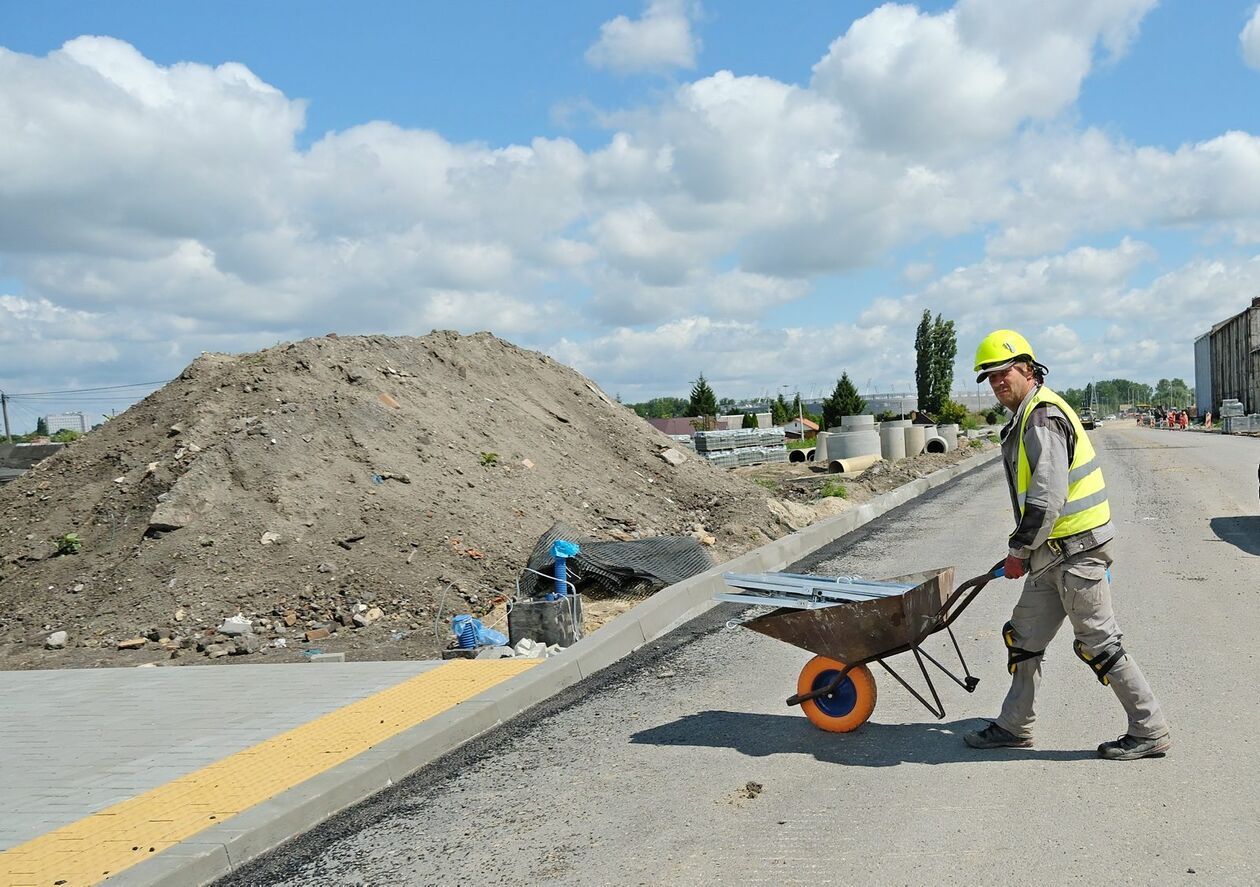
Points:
(295, 483)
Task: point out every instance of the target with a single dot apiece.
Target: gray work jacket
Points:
(1050, 443)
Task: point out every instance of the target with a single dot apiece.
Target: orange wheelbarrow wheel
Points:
(848, 706)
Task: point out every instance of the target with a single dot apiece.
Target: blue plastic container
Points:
(465, 628)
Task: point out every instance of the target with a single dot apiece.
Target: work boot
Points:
(994, 736)
(1130, 748)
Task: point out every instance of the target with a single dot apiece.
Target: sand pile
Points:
(336, 477)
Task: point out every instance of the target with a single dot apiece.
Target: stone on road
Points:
(644, 774)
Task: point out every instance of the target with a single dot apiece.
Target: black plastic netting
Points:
(629, 569)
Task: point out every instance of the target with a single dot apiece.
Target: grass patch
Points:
(489, 458)
(833, 488)
(70, 543)
(767, 482)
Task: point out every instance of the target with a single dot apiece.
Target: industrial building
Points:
(67, 421)
(1227, 362)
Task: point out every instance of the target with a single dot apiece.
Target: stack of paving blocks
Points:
(741, 446)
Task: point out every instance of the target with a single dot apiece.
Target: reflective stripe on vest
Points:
(1086, 507)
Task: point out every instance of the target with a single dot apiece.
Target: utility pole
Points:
(4, 408)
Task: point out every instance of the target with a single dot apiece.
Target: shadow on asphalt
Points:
(872, 745)
(1242, 532)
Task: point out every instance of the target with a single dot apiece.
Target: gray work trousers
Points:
(1076, 589)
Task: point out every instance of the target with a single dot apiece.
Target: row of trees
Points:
(936, 348)
(1112, 394)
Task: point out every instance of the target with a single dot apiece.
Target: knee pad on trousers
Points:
(1015, 655)
(1102, 663)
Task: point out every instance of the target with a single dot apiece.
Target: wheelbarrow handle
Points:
(953, 606)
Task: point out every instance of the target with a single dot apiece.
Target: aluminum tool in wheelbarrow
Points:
(849, 622)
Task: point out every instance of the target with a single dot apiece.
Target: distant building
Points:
(1203, 374)
(689, 424)
(736, 420)
(795, 431)
(1232, 355)
(674, 426)
(67, 421)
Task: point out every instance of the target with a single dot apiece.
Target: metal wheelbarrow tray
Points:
(849, 622)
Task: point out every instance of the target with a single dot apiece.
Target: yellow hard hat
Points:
(1001, 348)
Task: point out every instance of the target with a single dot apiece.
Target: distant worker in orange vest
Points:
(1185, 420)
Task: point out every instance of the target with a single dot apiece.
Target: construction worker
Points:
(1060, 543)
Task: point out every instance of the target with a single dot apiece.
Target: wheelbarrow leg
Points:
(938, 709)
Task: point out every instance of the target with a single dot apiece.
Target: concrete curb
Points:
(219, 850)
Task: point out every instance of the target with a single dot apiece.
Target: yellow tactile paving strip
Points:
(118, 837)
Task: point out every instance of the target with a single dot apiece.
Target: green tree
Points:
(935, 347)
(662, 407)
(844, 401)
(944, 350)
(750, 421)
(779, 413)
(41, 427)
(1173, 393)
(703, 403)
(923, 359)
(951, 413)
(66, 435)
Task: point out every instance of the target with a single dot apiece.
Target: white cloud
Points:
(917, 272)
(738, 358)
(1021, 293)
(1081, 310)
(174, 202)
(738, 295)
(661, 39)
(1250, 40)
(1067, 185)
(964, 78)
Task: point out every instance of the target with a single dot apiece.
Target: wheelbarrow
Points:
(849, 622)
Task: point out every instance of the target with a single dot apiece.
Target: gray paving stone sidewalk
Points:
(76, 741)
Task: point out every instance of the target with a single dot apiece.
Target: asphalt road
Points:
(645, 775)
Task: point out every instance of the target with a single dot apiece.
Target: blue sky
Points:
(644, 190)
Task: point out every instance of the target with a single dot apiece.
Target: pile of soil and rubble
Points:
(342, 486)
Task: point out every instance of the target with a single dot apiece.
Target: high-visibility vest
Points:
(1086, 507)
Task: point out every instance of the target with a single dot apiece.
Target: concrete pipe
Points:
(857, 423)
(848, 444)
(810, 453)
(851, 465)
(892, 444)
(950, 433)
(796, 456)
(915, 440)
(937, 445)
(821, 443)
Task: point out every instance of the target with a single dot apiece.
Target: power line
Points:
(85, 390)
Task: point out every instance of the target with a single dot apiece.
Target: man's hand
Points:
(1014, 567)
